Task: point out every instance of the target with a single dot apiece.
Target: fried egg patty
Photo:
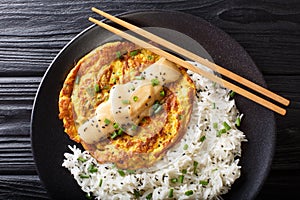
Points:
(88, 85)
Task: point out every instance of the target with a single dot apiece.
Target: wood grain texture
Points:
(32, 32)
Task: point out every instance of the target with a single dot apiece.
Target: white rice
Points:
(208, 167)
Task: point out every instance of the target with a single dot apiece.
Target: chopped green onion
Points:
(174, 180)
(132, 88)
(226, 126)
(114, 80)
(155, 82)
(114, 135)
(162, 93)
(189, 193)
(202, 138)
(81, 159)
(130, 171)
(106, 121)
(136, 193)
(220, 132)
(134, 53)
(215, 125)
(88, 196)
(184, 171)
(121, 172)
(139, 78)
(170, 193)
(125, 101)
(150, 57)
(181, 177)
(214, 105)
(100, 182)
(116, 125)
(149, 196)
(120, 131)
(238, 121)
(185, 146)
(135, 98)
(84, 176)
(195, 167)
(118, 54)
(92, 168)
(203, 182)
(134, 127)
(231, 94)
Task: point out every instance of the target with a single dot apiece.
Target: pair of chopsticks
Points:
(193, 57)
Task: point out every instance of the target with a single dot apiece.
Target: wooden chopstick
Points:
(194, 57)
(191, 67)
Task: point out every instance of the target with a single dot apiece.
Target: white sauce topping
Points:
(117, 108)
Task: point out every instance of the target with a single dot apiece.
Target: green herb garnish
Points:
(150, 57)
(195, 167)
(202, 138)
(155, 82)
(84, 176)
(116, 125)
(189, 193)
(214, 105)
(139, 78)
(162, 93)
(114, 135)
(174, 180)
(149, 196)
(97, 88)
(231, 94)
(135, 98)
(185, 146)
(118, 54)
(130, 171)
(136, 193)
(106, 121)
(181, 177)
(226, 126)
(81, 159)
(121, 172)
(220, 132)
(170, 193)
(134, 53)
(134, 127)
(92, 168)
(203, 182)
(238, 121)
(125, 102)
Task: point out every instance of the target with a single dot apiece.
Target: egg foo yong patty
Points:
(88, 87)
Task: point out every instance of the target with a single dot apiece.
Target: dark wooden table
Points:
(33, 32)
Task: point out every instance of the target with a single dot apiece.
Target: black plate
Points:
(49, 142)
